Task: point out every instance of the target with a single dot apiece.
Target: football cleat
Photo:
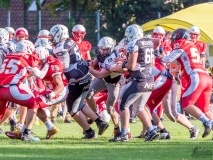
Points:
(165, 136)
(116, 132)
(90, 135)
(129, 135)
(102, 126)
(51, 132)
(194, 131)
(67, 121)
(207, 129)
(18, 127)
(142, 135)
(120, 138)
(13, 134)
(29, 137)
(151, 136)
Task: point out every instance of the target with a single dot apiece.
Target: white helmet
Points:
(25, 46)
(78, 31)
(10, 29)
(4, 36)
(194, 29)
(159, 30)
(42, 52)
(78, 27)
(59, 32)
(43, 33)
(106, 43)
(43, 42)
(133, 32)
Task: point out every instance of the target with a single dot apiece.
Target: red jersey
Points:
(190, 59)
(159, 65)
(201, 46)
(166, 47)
(14, 69)
(84, 48)
(55, 68)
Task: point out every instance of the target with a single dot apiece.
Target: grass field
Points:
(68, 145)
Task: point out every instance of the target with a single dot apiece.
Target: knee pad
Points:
(110, 110)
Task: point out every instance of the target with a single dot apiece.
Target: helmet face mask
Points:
(21, 34)
(133, 32)
(158, 32)
(42, 53)
(58, 33)
(43, 42)
(78, 32)
(180, 33)
(25, 46)
(105, 46)
(194, 33)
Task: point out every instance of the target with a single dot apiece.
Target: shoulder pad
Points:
(131, 46)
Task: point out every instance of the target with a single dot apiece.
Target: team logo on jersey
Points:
(149, 85)
(176, 45)
(110, 60)
(70, 43)
(185, 58)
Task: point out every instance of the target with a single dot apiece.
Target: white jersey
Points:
(109, 61)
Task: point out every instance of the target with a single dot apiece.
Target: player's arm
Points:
(172, 56)
(38, 73)
(99, 74)
(88, 55)
(59, 84)
(130, 64)
(127, 65)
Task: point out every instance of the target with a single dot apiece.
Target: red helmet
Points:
(20, 33)
(78, 32)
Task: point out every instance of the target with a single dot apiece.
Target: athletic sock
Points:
(153, 123)
(124, 131)
(163, 130)
(149, 129)
(203, 118)
(27, 131)
(48, 124)
(98, 120)
(89, 130)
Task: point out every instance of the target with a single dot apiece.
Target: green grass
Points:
(67, 144)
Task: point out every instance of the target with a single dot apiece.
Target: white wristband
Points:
(52, 94)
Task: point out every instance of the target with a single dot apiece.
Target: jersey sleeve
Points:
(31, 60)
(89, 46)
(132, 46)
(55, 68)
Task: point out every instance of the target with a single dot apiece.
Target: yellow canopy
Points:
(198, 15)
